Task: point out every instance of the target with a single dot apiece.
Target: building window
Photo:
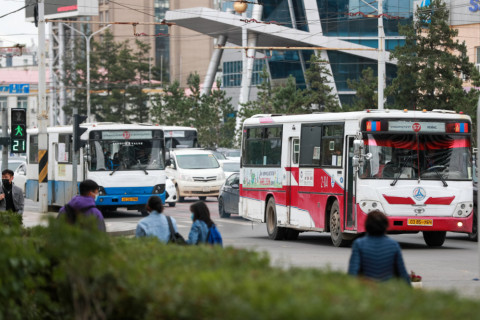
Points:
(477, 55)
(232, 73)
(22, 102)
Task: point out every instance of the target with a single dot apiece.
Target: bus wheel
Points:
(172, 204)
(338, 238)
(434, 238)
(291, 234)
(144, 212)
(274, 232)
(221, 209)
(474, 235)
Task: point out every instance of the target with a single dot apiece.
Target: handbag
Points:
(175, 237)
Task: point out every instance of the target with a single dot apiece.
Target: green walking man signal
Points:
(18, 131)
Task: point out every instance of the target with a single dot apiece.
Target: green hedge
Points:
(65, 272)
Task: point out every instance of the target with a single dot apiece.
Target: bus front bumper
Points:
(422, 223)
(126, 200)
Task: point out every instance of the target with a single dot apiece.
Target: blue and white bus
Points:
(126, 160)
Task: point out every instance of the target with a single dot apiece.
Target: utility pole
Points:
(381, 56)
(42, 113)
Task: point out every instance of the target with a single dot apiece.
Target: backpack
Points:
(214, 237)
(175, 237)
(71, 213)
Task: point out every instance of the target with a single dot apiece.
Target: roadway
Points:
(454, 266)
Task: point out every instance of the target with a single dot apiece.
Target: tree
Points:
(222, 128)
(366, 96)
(431, 64)
(319, 92)
(171, 107)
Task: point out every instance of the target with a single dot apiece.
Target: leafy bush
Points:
(64, 272)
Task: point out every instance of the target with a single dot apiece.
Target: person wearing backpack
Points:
(156, 224)
(84, 204)
(203, 229)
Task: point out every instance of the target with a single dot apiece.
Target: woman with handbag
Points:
(201, 223)
(156, 224)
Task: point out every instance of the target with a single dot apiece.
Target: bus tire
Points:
(338, 238)
(434, 238)
(221, 209)
(144, 213)
(274, 232)
(172, 204)
(474, 235)
(291, 234)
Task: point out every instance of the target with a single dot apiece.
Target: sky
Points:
(13, 28)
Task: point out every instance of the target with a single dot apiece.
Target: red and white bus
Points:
(325, 172)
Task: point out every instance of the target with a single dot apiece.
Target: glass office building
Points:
(353, 21)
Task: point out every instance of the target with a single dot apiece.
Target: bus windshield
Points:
(181, 139)
(411, 156)
(126, 155)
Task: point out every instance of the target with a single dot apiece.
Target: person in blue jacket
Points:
(156, 224)
(201, 223)
(377, 256)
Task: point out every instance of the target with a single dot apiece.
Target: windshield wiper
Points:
(394, 182)
(115, 170)
(439, 175)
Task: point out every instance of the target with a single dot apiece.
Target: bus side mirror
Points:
(358, 147)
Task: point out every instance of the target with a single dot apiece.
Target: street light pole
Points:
(87, 40)
(381, 56)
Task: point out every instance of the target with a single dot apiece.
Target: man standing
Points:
(11, 196)
(84, 204)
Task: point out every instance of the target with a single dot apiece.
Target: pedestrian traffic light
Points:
(18, 130)
(78, 131)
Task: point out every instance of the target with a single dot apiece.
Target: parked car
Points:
(19, 168)
(230, 167)
(196, 173)
(229, 196)
(171, 196)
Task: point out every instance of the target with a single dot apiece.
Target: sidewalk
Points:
(117, 228)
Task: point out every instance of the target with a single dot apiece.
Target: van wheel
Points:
(434, 238)
(180, 199)
(339, 239)
(202, 198)
(274, 232)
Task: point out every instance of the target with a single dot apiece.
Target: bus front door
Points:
(350, 189)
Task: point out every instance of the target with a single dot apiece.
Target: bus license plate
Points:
(129, 199)
(420, 222)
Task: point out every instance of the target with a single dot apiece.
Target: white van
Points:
(196, 173)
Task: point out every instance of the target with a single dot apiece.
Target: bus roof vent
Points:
(444, 111)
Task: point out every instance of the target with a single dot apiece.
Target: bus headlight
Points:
(463, 209)
(159, 188)
(101, 191)
(369, 205)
